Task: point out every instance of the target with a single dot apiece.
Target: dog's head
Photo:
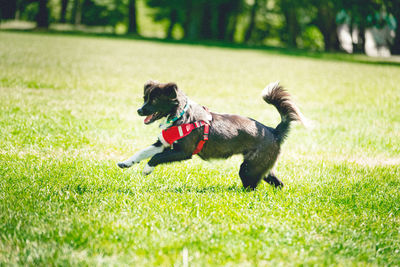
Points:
(160, 100)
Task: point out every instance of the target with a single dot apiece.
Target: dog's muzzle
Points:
(140, 112)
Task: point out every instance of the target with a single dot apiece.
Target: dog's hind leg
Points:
(251, 173)
(273, 180)
(143, 154)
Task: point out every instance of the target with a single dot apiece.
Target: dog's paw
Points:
(148, 169)
(124, 165)
(274, 181)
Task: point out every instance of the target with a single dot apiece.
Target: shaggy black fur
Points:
(229, 134)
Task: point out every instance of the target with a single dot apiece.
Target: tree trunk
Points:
(334, 44)
(173, 18)
(18, 11)
(326, 22)
(358, 47)
(206, 22)
(351, 30)
(76, 17)
(193, 21)
(63, 12)
(8, 9)
(73, 12)
(395, 47)
(331, 40)
(252, 23)
(42, 18)
(222, 24)
(361, 39)
(292, 26)
(132, 27)
(187, 21)
(232, 28)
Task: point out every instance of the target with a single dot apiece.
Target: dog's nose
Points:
(140, 111)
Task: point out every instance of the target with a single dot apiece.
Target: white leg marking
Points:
(141, 155)
(148, 169)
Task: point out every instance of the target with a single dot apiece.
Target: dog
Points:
(214, 135)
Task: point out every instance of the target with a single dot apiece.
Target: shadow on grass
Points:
(216, 189)
(342, 57)
(208, 189)
(82, 189)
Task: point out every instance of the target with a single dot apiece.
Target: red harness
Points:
(174, 133)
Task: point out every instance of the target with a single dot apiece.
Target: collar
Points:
(168, 123)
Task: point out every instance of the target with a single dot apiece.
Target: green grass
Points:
(68, 114)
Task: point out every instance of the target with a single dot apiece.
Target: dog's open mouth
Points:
(153, 117)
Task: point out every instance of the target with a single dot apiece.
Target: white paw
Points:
(147, 169)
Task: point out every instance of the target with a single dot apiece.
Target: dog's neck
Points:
(186, 111)
(182, 107)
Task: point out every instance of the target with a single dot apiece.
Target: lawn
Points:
(68, 115)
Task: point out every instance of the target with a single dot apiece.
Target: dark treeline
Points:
(292, 23)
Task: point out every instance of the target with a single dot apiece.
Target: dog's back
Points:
(233, 134)
(259, 144)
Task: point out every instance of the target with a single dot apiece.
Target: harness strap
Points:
(205, 137)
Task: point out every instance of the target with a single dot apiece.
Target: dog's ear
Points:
(171, 90)
(149, 84)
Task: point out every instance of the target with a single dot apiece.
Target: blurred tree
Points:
(200, 19)
(208, 24)
(132, 18)
(252, 22)
(173, 19)
(264, 21)
(326, 22)
(63, 11)
(20, 7)
(8, 9)
(358, 12)
(168, 10)
(393, 7)
(228, 11)
(76, 16)
(291, 30)
(42, 18)
(295, 23)
(27, 10)
(193, 15)
(104, 12)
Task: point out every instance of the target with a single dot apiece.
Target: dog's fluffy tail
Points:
(276, 95)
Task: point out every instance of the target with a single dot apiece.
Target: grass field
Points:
(68, 114)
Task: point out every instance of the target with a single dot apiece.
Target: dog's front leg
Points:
(168, 155)
(143, 154)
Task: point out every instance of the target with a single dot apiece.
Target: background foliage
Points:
(310, 24)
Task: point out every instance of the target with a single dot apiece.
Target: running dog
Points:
(190, 128)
